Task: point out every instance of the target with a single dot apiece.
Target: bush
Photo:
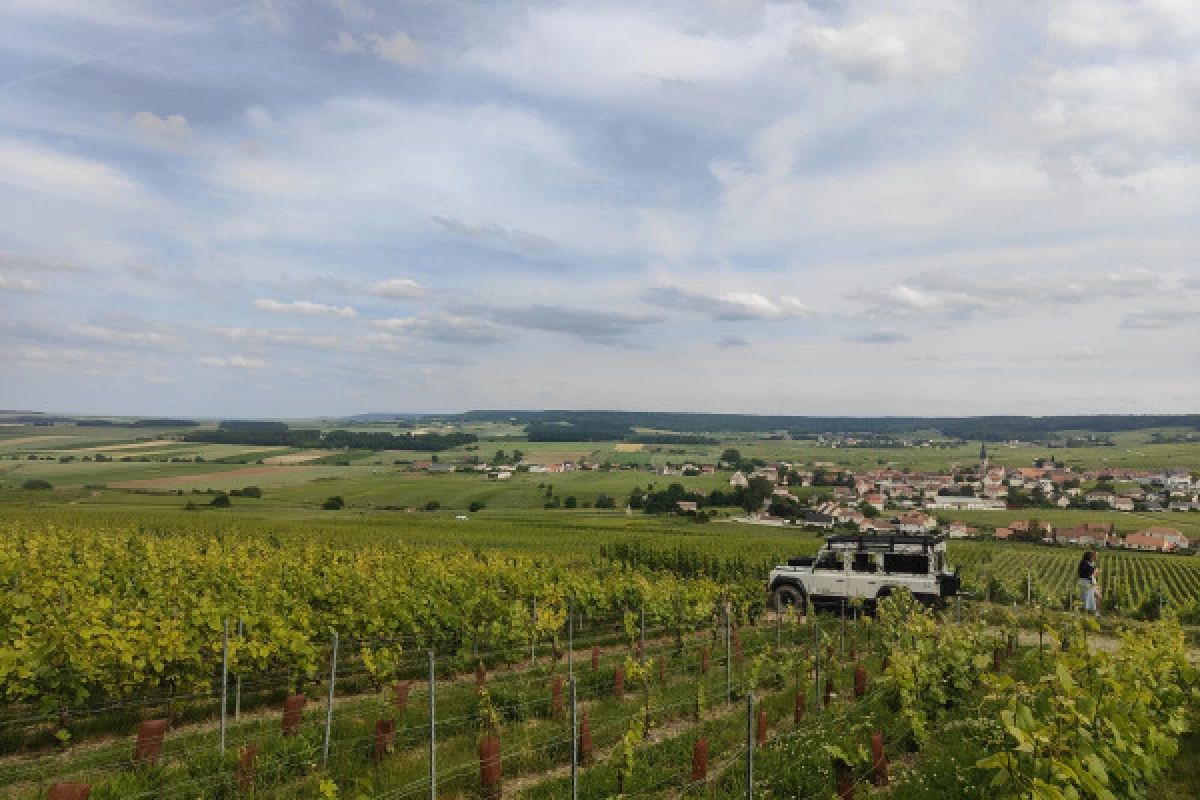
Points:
(37, 483)
(570, 502)
(220, 501)
(335, 503)
(432, 505)
(475, 506)
(249, 491)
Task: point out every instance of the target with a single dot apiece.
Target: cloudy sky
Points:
(298, 207)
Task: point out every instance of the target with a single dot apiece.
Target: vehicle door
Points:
(865, 575)
(829, 575)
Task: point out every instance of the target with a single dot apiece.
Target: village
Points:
(903, 501)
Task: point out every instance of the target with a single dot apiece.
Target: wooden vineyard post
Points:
(860, 682)
(595, 659)
(798, 713)
(700, 760)
(385, 738)
(556, 696)
(737, 647)
(828, 691)
(704, 661)
(480, 676)
(844, 775)
(400, 695)
(490, 765)
(662, 668)
(293, 711)
(69, 791)
(585, 739)
(150, 737)
(879, 760)
(619, 683)
(760, 733)
(246, 768)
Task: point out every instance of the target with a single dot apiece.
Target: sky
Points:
(291, 208)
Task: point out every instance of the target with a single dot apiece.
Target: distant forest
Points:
(277, 434)
(565, 426)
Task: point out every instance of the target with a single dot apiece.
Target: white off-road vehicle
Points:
(867, 567)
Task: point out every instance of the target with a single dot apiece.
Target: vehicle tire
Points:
(789, 596)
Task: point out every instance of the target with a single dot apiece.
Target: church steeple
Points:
(983, 459)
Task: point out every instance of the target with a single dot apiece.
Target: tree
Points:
(335, 503)
(432, 505)
(869, 511)
(604, 501)
(475, 506)
(37, 483)
(500, 457)
(570, 502)
(517, 455)
(220, 501)
(731, 456)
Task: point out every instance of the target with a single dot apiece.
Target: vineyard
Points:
(395, 659)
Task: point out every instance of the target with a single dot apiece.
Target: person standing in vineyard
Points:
(1087, 582)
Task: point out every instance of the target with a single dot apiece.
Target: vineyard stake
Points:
(571, 648)
(749, 744)
(642, 640)
(778, 622)
(957, 609)
(329, 705)
(816, 666)
(533, 634)
(224, 678)
(728, 656)
(433, 730)
(842, 635)
(1028, 588)
(574, 746)
(237, 694)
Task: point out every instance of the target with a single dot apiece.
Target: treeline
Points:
(277, 434)
(377, 440)
(666, 501)
(568, 431)
(609, 425)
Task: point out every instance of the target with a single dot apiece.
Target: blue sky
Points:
(300, 207)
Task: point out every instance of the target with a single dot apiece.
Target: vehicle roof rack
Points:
(887, 541)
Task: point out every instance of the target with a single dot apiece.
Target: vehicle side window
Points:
(905, 563)
(865, 562)
(829, 561)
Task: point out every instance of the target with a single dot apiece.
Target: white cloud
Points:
(398, 48)
(731, 306)
(170, 133)
(239, 362)
(33, 167)
(307, 308)
(15, 283)
(282, 337)
(886, 47)
(345, 43)
(353, 10)
(448, 328)
(398, 288)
